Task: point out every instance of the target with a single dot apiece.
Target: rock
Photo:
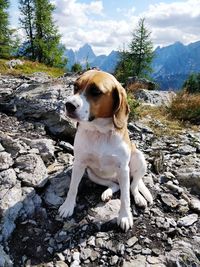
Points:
(186, 150)
(45, 147)
(195, 204)
(187, 220)
(44, 102)
(156, 98)
(10, 207)
(189, 178)
(32, 171)
(14, 62)
(139, 261)
(8, 179)
(105, 212)
(59, 185)
(6, 161)
(169, 200)
(61, 264)
(183, 253)
(131, 241)
(5, 260)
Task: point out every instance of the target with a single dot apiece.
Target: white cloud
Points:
(178, 21)
(81, 23)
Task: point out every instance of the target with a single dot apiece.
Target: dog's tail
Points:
(145, 192)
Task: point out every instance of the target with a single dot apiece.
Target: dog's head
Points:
(98, 94)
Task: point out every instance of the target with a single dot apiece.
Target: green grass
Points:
(29, 67)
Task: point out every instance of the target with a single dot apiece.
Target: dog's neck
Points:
(101, 125)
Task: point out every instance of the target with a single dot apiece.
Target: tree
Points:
(47, 39)
(4, 30)
(192, 84)
(137, 60)
(76, 67)
(141, 50)
(26, 8)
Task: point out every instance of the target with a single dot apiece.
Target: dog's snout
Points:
(70, 107)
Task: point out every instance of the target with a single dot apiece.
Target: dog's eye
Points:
(94, 91)
(76, 89)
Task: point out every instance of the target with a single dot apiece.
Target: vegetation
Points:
(133, 106)
(76, 67)
(29, 67)
(192, 84)
(137, 61)
(186, 107)
(4, 30)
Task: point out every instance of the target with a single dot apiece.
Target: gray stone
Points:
(186, 150)
(32, 170)
(189, 178)
(59, 185)
(187, 220)
(6, 161)
(183, 252)
(146, 251)
(155, 98)
(139, 261)
(14, 62)
(169, 200)
(195, 204)
(105, 212)
(61, 264)
(131, 241)
(8, 179)
(5, 260)
(45, 147)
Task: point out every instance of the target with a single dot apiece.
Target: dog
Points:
(102, 145)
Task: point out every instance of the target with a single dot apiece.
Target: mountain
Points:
(85, 54)
(171, 65)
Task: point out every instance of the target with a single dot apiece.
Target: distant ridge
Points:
(172, 64)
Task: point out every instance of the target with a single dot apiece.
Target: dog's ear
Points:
(120, 107)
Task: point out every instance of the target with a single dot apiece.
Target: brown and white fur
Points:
(102, 145)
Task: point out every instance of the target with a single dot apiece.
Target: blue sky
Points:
(107, 24)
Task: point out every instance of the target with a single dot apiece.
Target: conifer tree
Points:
(141, 50)
(47, 38)
(26, 8)
(137, 60)
(4, 30)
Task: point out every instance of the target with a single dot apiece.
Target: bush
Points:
(76, 67)
(133, 106)
(192, 84)
(186, 107)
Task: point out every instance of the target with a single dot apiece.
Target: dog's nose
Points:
(70, 107)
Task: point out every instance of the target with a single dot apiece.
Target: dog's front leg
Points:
(67, 208)
(125, 218)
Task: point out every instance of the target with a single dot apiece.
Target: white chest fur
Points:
(99, 147)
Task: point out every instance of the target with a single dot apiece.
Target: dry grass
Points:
(186, 107)
(29, 67)
(162, 122)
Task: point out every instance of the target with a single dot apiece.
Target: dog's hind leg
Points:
(138, 169)
(112, 187)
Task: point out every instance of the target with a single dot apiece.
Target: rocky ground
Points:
(36, 157)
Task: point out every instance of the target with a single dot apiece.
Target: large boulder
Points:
(155, 98)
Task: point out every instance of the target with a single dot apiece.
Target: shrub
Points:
(192, 84)
(76, 67)
(133, 106)
(186, 107)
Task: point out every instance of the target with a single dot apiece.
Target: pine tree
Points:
(141, 50)
(137, 61)
(47, 39)
(4, 30)
(26, 8)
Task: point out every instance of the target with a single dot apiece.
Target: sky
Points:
(108, 24)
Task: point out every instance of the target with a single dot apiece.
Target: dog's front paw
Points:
(140, 200)
(106, 195)
(66, 209)
(125, 220)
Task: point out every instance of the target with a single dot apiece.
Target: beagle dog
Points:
(102, 145)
